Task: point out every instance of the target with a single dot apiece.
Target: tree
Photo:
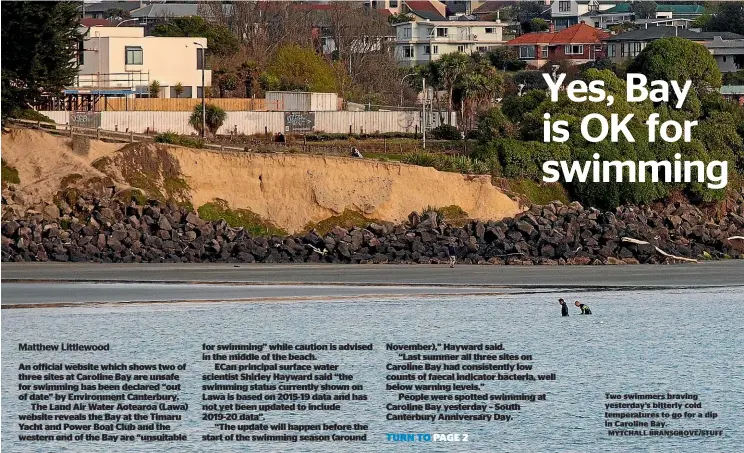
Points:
(506, 59)
(539, 24)
(40, 54)
(399, 18)
(678, 59)
(644, 10)
(178, 89)
(220, 40)
(154, 89)
(299, 68)
(451, 67)
(215, 118)
(729, 17)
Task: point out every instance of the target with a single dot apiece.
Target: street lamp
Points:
(127, 20)
(204, 108)
(403, 86)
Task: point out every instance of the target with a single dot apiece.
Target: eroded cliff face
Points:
(288, 190)
(294, 190)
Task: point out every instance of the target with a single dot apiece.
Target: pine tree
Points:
(40, 45)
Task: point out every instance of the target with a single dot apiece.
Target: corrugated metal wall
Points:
(250, 123)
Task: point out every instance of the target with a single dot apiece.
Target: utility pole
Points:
(204, 89)
(423, 110)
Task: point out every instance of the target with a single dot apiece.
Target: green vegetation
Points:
(245, 218)
(347, 219)
(452, 214)
(150, 169)
(298, 68)
(154, 89)
(42, 57)
(174, 138)
(458, 164)
(30, 115)
(538, 193)
(214, 119)
(678, 59)
(445, 132)
(221, 40)
(9, 174)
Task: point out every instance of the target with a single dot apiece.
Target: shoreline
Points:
(705, 274)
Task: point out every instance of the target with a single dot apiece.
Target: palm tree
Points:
(451, 68)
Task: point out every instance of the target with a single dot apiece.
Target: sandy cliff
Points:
(289, 190)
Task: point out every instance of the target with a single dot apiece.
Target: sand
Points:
(43, 160)
(290, 190)
(293, 190)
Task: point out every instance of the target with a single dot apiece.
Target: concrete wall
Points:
(250, 123)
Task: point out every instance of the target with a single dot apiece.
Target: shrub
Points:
(181, 140)
(215, 118)
(154, 89)
(445, 132)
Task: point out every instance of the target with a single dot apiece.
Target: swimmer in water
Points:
(564, 307)
(583, 307)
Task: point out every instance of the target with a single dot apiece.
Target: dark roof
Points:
(654, 33)
(674, 9)
(167, 10)
(425, 10)
(102, 7)
(492, 7)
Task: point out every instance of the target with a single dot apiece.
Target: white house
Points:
(566, 13)
(123, 60)
(424, 41)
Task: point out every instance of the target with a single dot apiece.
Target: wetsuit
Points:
(585, 309)
(564, 309)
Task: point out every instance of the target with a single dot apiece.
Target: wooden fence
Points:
(179, 104)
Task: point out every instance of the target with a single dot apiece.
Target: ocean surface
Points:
(637, 341)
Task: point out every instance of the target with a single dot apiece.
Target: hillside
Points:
(286, 190)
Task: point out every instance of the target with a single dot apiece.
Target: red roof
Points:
(88, 22)
(575, 34)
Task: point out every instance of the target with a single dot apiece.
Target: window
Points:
(574, 50)
(408, 52)
(393, 3)
(611, 51)
(436, 50)
(81, 53)
(564, 6)
(406, 32)
(623, 49)
(442, 32)
(461, 48)
(427, 50)
(481, 49)
(634, 49)
(526, 52)
(544, 52)
(200, 58)
(133, 55)
(490, 30)
(185, 93)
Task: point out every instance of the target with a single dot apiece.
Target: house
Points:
(733, 93)
(425, 41)
(102, 10)
(577, 44)
(672, 15)
(393, 6)
(728, 53)
(492, 9)
(455, 7)
(123, 61)
(565, 13)
(628, 45)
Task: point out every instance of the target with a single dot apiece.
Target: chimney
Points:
(551, 28)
